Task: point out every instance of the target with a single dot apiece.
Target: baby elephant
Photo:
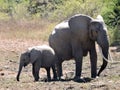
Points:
(40, 57)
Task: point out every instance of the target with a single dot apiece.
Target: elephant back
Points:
(46, 55)
(60, 39)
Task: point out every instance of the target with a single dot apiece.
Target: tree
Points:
(43, 7)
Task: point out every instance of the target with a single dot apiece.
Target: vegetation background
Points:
(25, 23)
(36, 12)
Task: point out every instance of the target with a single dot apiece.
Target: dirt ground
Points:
(9, 60)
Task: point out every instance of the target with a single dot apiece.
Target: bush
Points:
(115, 37)
(72, 7)
(111, 15)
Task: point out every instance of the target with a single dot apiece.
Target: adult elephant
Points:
(76, 37)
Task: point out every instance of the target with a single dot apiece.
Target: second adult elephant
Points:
(75, 38)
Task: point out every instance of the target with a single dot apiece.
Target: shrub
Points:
(112, 18)
(71, 7)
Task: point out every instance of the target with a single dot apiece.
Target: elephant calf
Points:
(40, 57)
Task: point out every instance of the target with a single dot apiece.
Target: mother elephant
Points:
(75, 38)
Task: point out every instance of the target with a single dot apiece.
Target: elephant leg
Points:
(93, 61)
(59, 70)
(78, 62)
(54, 72)
(48, 73)
(78, 56)
(35, 71)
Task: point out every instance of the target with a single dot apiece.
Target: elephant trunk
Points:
(103, 42)
(20, 69)
(105, 51)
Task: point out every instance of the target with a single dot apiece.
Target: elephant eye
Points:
(96, 30)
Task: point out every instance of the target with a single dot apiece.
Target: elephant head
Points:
(24, 61)
(98, 32)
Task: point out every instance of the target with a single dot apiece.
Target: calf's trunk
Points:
(20, 69)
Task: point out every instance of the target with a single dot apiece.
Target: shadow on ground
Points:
(83, 80)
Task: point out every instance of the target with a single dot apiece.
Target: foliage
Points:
(43, 7)
(111, 15)
(49, 8)
(14, 9)
(71, 7)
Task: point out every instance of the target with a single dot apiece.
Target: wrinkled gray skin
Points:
(39, 57)
(75, 38)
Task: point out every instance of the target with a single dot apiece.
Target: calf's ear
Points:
(34, 55)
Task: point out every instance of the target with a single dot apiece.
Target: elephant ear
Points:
(94, 28)
(34, 55)
(79, 23)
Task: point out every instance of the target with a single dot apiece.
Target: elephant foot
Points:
(76, 78)
(48, 80)
(55, 79)
(62, 78)
(17, 79)
(45, 79)
(36, 79)
(79, 79)
(93, 76)
(96, 77)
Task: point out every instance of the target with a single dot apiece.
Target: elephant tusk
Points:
(111, 59)
(110, 56)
